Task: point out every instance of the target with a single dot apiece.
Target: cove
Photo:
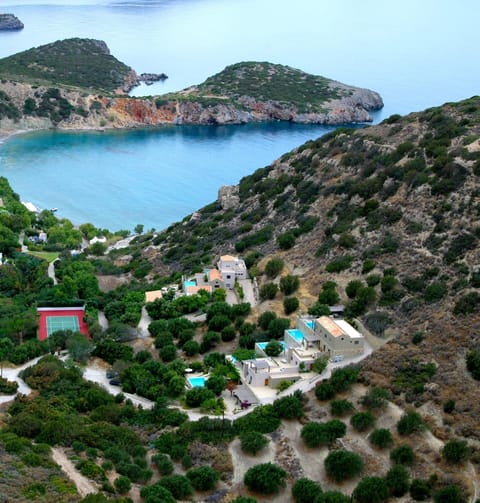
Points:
(117, 179)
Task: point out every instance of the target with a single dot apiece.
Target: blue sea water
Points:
(416, 54)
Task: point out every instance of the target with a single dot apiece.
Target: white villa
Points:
(231, 269)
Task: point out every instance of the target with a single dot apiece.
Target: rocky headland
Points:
(47, 93)
(10, 22)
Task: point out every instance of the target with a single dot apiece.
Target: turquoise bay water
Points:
(150, 176)
(415, 54)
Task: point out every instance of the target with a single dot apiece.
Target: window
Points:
(356, 342)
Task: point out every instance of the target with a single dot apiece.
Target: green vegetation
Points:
(341, 465)
(73, 62)
(265, 478)
(270, 82)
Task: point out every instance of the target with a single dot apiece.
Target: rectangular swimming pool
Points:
(196, 382)
(263, 345)
(310, 324)
(296, 334)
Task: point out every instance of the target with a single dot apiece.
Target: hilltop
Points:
(10, 22)
(77, 84)
(392, 211)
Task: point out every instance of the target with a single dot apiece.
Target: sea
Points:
(416, 54)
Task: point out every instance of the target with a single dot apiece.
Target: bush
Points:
(262, 419)
(305, 490)
(409, 423)
(376, 398)
(352, 288)
(289, 284)
(168, 353)
(265, 478)
(333, 497)
(252, 442)
(216, 383)
(341, 407)
(324, 391)
(473, 364)
(163, 464)
(420, 490)
(339, 264)
(274, 267)
(191, 348)
(268, 291)
(449, 494)
(403, 454)
(362, 421)
(371, 490)
(286, 240)
(343, 378)
(156, 493)
(289, 407)
(341, 465)
(381, 438)
(290, 305)
(456, 451)
(398, 480)
(316, 434)
(122, 484)
(178, 485)
(203, 478)
(273, 348)
(196, 396)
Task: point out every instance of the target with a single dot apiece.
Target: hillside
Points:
(77, 84)
(76, 62)
(393, 207)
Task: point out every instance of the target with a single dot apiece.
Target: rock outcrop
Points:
(228, 197)
(10, 22)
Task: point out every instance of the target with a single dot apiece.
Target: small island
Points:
(77, 84)
(10, 22)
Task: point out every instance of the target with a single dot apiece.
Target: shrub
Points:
(333, 497)
(195, 396)
(341, 407)
(352, 288)
(381, 438)
(343, 378)
(289, 407)
(362, 421)
(216, 383)
(449, 494)
(191, 348)
(403, 454)
(339, 264)
(168, 353)
(286, 240)
(341, 465)
(316, 434)
(122, 484)
(163, 464)
(398, 480)
(290, 305)
(289, 284)
(449, 406)
(473, 364)
(155, 493)
(305, 490)
(435, 291)
(178, 485)
(273, 348)
(420, 490)
(376, 398)
(324, 391)
(252, 441)
(265, 478)
(371, 490)
(203, 478)
(456, 451)
(262, 419)
(274, 267)
(409, 423)
(268, 291)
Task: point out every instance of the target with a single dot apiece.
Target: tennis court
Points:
(56, 323)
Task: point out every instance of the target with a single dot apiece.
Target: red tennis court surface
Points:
(52, 319)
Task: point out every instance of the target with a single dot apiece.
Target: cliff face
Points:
(10, 22)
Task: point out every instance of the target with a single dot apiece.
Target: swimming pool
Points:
(196, 382)
(189, 283)
(295, 334)
(263, 345)
(310, 323)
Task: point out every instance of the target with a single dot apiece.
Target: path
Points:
(12, 374)
(248, 291)
(51, 271)
(102, 320)
(84, 486)
(142, 326)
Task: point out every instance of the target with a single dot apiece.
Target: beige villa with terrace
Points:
(231, 269)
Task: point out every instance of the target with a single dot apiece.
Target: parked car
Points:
(115, 381)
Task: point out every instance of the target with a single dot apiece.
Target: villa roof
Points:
(348, 329)
(191, 290)
(331, 326)
(227, 258)
(214, 274)
(153, 295)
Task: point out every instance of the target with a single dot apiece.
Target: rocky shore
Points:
(10, 22)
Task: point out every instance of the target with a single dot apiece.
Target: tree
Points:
(216, 383)
(289, 284)
(168, 353)
(163, 464)
(273, 348)
(320, 364)
(456, 451)
(274, 267)
(381, 438)
(252, 442)
(398, 480)
(352, 288)
(138, 229)
(286, 240)
(196, 396)
(333, 497)
(410, 422)
(473, 364)
(420, 490)
(324, 391)
(362, 421)
(203, 478)
(403, 454)
(315, 434)
(371, 490)
(449, 494)
(79, 347)
(191, 348)
(178, 485)
(265, 318)
(122, 484)
(341, 407)
(265, 478)
(329, 295)
(376, 398)
(305, 490)
(290, 305)
(342, 465)
(289, 407)
(343, 378)
(277, 327)
(268, 291)
(155, 493)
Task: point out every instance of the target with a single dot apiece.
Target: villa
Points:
(231, 269)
